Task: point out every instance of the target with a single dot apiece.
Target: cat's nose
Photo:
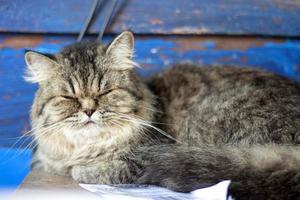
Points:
(89, 112)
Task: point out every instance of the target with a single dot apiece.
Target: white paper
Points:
(147, 192)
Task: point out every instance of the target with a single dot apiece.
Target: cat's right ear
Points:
(120, 51)
(39, 67)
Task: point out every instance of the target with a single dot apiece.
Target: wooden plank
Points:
(242, 17)
(153, 54)
(42, 185)
(44, 180)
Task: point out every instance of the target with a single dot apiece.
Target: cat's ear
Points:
(39, 67)
(121, 50)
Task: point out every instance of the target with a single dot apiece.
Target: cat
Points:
(184, 128)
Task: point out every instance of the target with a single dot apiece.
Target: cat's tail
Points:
(257, 172)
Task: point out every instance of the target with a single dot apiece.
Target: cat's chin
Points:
(83, 132)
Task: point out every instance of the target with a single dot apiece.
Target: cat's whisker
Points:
(116, 123)
(46, 130)
(152, 109)
(139, 118)
(151, 122)
(37, 128)
(160, 131)
(10, 149)
(43, 129)
(32, 144)
(26, 136)
(14, 138)
(57, 128)
(41, 133)
(146, 133)
(139, 121)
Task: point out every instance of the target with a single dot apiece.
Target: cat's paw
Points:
(85, 174)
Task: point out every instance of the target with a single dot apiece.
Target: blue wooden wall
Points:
(247, 17)
(258, 33)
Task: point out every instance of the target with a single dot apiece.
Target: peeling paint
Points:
(219, 43)
(189, 30)
(197, 12)
(155, 21)
(6, 97)
(18, 42)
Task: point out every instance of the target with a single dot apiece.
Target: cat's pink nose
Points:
(89, 112)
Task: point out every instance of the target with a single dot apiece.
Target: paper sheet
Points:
(147, 192)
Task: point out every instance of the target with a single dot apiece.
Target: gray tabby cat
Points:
(184, 128)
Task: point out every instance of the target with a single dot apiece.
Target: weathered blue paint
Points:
(153, 53)
(266, 17)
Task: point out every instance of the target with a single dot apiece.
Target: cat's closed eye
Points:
(66, 97)
(105, 92)
(116, 93)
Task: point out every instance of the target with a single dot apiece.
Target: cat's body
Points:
(226, 105)
(218, 123)
(239, 124)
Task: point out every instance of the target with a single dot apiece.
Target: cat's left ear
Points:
(40, 68)
(121, 50)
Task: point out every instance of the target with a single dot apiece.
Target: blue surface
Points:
(14, 165)
(263, 17)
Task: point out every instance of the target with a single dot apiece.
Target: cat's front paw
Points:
(85, 174)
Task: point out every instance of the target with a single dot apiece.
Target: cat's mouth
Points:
(89, 122)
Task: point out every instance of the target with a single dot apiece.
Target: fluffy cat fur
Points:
(185, 128)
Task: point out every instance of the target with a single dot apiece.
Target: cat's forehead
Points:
(84, 66)
(82, 55)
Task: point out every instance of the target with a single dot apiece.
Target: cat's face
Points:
(88, 89)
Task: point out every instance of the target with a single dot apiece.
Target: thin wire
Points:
(107, 18)
(88, 20)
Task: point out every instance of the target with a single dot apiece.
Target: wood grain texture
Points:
(42, 185)
(44, 180)
(242, 17)
(152, 53)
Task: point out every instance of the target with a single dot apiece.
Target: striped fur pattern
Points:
(90, 109)
(240, 124)
(184, 128)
